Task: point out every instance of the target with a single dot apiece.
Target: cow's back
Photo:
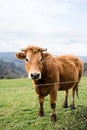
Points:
(69, 70)
(78, 63)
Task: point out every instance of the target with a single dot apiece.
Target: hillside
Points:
(11, 67)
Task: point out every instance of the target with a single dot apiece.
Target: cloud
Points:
(55, 24)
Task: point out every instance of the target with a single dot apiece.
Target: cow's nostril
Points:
(35, 75)
(32, 75)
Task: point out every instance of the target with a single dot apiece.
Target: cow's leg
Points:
(53, 97)
(65, 105)
(73, 96)
(41, 101)
(74, 90)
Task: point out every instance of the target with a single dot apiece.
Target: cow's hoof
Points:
(53, 118)
(40, 114)
(72, 107)
(65, 106)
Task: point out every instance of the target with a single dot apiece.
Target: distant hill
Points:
(11, 67)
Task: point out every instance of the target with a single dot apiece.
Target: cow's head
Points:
(34, 57)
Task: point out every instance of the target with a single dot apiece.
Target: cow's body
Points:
(50, 74)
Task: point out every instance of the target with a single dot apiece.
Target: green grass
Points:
(19, 108)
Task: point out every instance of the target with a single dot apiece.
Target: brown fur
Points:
(59, 69)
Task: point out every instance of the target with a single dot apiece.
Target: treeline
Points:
(10, 70)
(85, 69)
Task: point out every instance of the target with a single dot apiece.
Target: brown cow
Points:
(50, 74)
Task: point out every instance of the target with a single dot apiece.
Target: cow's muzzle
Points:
(35, 76)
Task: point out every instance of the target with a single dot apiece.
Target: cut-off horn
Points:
(45, 49)
(22, 49)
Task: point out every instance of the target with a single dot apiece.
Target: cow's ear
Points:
(21, 55)
(46, 56)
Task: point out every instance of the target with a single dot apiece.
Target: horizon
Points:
(56, 53)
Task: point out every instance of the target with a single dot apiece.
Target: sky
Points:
(58, 25)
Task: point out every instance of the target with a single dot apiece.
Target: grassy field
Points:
(19, 108)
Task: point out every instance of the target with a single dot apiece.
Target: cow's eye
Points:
(27, 59)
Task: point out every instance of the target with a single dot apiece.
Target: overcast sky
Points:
(59, 25)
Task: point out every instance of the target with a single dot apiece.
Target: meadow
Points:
(19, 108)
